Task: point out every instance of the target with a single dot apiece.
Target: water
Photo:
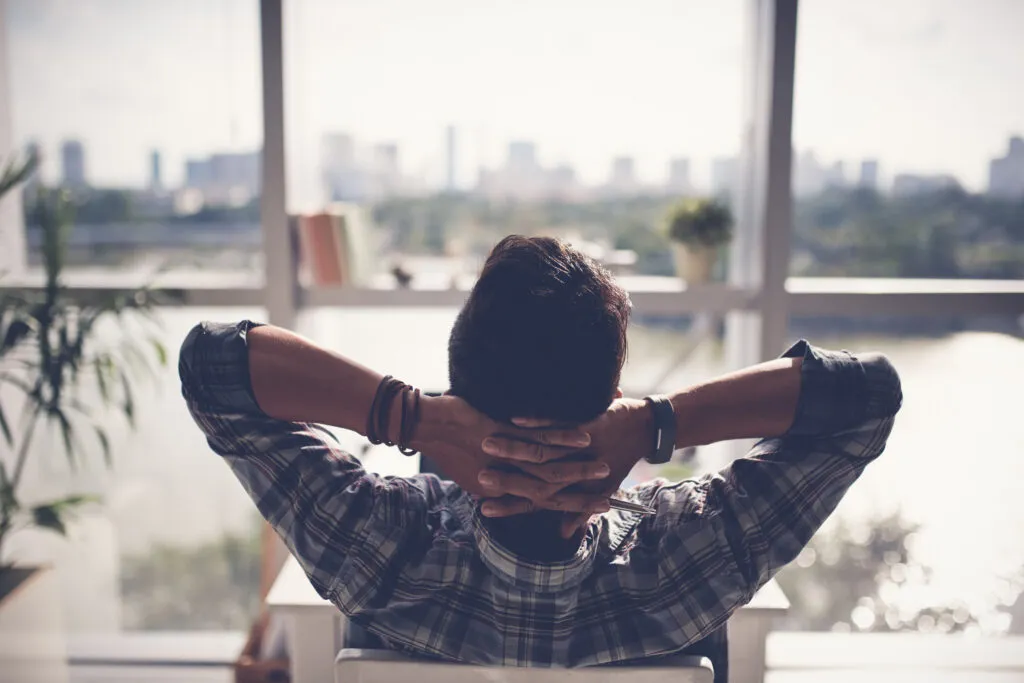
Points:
(955, 461)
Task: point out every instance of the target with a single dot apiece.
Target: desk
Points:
(315, 627)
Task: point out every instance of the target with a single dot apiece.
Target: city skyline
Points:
(354, 170)
(877, 96)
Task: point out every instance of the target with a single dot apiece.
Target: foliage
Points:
(838, 233)
(863, 577)
(700, 222)
(50, 353)
(948, 234)
(215, 585)
(16, 172)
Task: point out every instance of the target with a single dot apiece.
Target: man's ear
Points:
(618, 392)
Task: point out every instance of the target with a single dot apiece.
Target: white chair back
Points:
(384, 666)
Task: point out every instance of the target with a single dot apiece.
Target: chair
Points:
(385, 666)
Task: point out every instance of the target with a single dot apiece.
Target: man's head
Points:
(543, 334)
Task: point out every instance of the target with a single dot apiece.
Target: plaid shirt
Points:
(409, 559)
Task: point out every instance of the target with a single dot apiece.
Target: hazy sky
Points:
(922, 85)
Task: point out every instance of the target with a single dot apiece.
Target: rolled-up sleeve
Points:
(750, 519)
(342, 524)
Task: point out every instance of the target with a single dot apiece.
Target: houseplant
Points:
(63, 367)
(698, 229)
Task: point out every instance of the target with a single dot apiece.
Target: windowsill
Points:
(156, 648)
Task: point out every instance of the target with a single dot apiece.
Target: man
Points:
(518, 560)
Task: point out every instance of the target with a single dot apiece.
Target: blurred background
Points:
(434, 129)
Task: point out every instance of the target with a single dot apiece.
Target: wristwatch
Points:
(664, 429)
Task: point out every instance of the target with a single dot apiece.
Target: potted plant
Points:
(57, 372)
(698, 228)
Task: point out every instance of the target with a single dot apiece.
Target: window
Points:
(454, 123)
(930, 538)
(173, 543)
(149, 115)
(909, 155)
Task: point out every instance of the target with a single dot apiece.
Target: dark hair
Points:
(543, 334)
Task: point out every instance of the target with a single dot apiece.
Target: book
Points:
(333, 247)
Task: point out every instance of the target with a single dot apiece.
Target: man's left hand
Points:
(467, 445)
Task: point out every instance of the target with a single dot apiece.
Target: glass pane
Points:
(173, 542)
(909, 155)
(932, 536)
(149, 114)
(453, 123)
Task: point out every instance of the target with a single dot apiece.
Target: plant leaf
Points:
(129, 399)
(5, 427)
(53, 515)
(161, 351)
(48, 517)
(101, 436)
(67, 432)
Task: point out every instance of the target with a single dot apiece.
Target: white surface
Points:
(889, 651)
(201, 648)
(376, 666)
(32, 646)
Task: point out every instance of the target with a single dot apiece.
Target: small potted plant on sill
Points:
(698, 228)
(57, 373)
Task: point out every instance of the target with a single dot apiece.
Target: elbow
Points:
(187, 369)
(885, 392)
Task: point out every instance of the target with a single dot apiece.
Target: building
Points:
(679, 177)
(386, 175)
(155, 176)
(725, 176)
(562, 183)
(343, 178)
(522, 157)
(622, 179)
(1006, 174)
(868, 174)
(227, 178)
(72, 164)
(912, 184)
(811, 176)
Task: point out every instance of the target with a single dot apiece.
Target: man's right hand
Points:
(620, 437)
(468, 446)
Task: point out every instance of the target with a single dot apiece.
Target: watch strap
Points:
(664, 429)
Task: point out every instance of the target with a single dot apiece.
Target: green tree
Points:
(214, 585)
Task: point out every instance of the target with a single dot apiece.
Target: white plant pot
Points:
(33, 646)
(694, 264)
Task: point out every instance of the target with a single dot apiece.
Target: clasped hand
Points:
(534, 464)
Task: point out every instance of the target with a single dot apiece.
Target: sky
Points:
(929, 86)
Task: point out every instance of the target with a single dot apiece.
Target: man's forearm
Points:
(294, 379)
(756, 402)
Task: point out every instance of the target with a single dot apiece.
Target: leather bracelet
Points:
(664, 429)
(371, 419)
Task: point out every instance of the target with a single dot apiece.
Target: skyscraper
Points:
(385, 171)
(725, 175)
(155, 176)
(623, 175)
(1006, 174)
(72, 164)
(868, 174)
(679, 176)
(522, 156)
(343, 179)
